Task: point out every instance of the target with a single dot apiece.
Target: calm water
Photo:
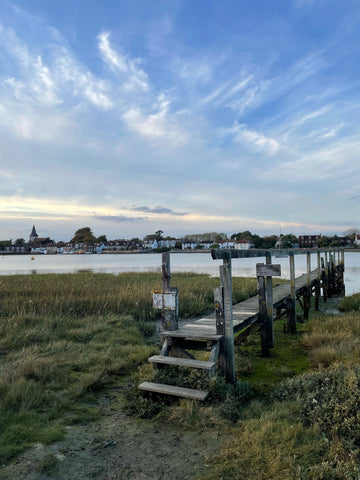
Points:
(180, 262)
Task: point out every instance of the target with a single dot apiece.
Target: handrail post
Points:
(226, 283)
(291, 309)
(323, 279)
(269, 304)
(317, 286)
(307, 293)
(266, 305)
(169, 315)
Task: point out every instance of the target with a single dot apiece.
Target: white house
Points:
(227, 243)
(243, 245)
(188, 245)
(357, 240)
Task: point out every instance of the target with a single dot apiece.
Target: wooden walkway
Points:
(215, 333)
(244, 313)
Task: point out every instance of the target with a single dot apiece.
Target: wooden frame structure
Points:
(215, 332)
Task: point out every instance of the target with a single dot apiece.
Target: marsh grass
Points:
(307, 428)
(82, 294)
(65, 337)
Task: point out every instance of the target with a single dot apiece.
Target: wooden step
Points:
(182, 362)
(172, 390)
(192, 334)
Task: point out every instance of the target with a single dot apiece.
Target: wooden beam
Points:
(225, 278)
(291, 307)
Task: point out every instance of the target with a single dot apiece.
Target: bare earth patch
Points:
(117, 447)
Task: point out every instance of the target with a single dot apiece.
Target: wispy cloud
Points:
(158, 210)
(256, 140)
(159, 125)
(118, 218)
(134, 77)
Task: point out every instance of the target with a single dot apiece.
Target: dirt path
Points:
(117, 447)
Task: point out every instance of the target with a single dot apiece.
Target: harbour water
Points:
(180, 262)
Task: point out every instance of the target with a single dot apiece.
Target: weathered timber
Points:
(317, 284)
(219, 310)
(265, 295)
(169, 316)
(229, 351)
(222, 253)
(307, 289)
(182, 362)
(215, 332)
(263, 270)
(172, 390)
(192, 334)
(291, 304)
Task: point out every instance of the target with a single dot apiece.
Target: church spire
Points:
(33, 235)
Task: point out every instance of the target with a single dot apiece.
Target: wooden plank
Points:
(172, 390)
(222, 253)
(191, 334)
(182, 362)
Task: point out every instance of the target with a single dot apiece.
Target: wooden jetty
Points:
(215, 332)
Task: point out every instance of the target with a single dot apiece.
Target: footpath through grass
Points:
(66, 337)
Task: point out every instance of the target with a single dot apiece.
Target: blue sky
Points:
(187, 116)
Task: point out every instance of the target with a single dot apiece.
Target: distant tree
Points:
(269, 241)
(323, 241)
(215, 245)
(5, 243)
(219, 237)
(101, 239)
(158, 235)
(19, 241)
(288, 240)
(352, 232)
(178, 245)
(83, 235)
(205, 237)
(46, 241)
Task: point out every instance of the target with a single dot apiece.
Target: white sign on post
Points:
(165, 300)
(273, 270)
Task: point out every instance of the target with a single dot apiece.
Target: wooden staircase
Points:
(174, 353)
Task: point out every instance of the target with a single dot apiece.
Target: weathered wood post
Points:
(220, 325)
(307, 293)
(332, 274)
(317, 286)
(167, 300)
(291, 304)
(269, 302)
(328, 274)
(266, 321)
(342, 272)
(323, 279)
(229, 350)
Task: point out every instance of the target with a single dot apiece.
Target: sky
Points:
(186, 116)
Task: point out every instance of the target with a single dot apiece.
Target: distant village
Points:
(84, 242)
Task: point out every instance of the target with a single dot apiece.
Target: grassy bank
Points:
(308, 425)
(63, 338)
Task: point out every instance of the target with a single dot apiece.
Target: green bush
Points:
(330, 399)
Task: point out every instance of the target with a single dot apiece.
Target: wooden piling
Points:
(220, 327)
(317, 286)
(168, 316)
(291, 304)
(269, 305)
(226, 283)
(265, 298)
(307, 291)
(323, 279)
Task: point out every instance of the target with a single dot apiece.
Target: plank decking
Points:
(244, 313)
